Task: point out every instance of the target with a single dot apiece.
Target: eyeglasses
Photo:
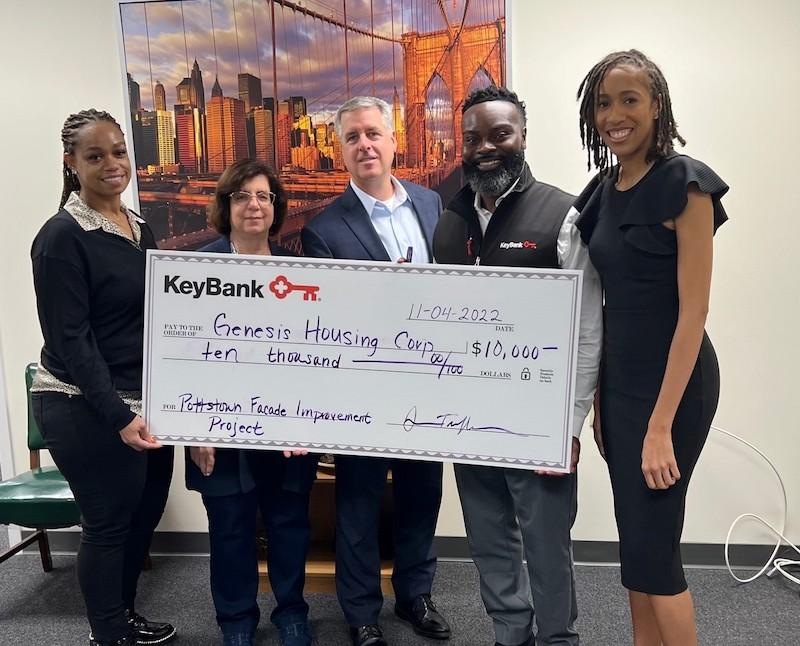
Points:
(244, 197)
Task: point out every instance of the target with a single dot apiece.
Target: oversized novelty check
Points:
(429, 362)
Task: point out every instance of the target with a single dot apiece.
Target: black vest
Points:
(522, 232)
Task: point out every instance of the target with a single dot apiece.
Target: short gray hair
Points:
(359, 103)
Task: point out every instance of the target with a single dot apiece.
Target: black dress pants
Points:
(121, 494)
(360, 482)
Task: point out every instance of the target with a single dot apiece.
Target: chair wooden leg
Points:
(18, 547)
(44, 550)
(148, 562)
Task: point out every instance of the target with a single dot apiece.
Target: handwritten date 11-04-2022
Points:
(457, 314)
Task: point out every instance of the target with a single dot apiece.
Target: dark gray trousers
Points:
(511, 515)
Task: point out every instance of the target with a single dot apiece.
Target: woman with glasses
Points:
(248, 209)
(89, 277)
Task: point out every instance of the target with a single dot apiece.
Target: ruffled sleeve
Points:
(588, 205)
(660, 196)
(664, 192)
(663, 196)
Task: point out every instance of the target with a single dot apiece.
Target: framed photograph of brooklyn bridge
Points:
(213, 81)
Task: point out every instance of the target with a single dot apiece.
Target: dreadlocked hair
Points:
(69, 137)
(666, 130)
(495, 93)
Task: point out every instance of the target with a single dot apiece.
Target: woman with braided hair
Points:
(649, 222)
(88, 271)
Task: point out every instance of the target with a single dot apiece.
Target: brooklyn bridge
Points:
(424, 57)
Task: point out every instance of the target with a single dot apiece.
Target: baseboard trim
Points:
(607, 552)
(456, 548)
(192, 543)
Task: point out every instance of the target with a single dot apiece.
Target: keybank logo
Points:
(212, 286)
(281, 287)
(524, 244)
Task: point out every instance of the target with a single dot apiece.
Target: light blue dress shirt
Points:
(396, 223)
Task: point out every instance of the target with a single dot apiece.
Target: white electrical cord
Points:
(775, 564)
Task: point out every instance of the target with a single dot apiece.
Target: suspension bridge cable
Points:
(149, 59)
(213, 38)
(236, 31)
(255, 38)
(185, 43)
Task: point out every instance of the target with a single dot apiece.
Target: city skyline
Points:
(214, 81)
(198, 144)
(162, 39)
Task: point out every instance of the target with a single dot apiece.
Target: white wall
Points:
(60, 57)
(735, 84)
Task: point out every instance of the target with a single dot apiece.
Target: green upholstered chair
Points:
(39, 499)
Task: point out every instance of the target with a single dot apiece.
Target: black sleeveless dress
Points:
(636, 257)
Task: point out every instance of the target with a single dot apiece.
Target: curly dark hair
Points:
(219, 211)
(495, 93)
(666, 128)
(69, 137)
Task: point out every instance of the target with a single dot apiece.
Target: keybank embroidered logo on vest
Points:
(525, 244)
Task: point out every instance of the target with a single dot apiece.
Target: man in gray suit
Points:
(379, 217)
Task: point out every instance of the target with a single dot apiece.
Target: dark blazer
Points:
(231, 474)
(344, 230)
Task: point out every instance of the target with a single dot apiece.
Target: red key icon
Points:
(281, 287)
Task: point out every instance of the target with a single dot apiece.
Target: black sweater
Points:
(90, 297)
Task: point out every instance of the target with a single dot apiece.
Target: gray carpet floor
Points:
(38, 608)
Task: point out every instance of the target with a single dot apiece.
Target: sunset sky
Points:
(310, 52)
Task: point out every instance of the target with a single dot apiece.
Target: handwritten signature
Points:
(456, 421)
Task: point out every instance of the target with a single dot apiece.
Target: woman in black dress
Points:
(649, 221)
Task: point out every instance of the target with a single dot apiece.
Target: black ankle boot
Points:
(149, 633)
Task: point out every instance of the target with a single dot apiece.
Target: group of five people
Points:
(641, 233)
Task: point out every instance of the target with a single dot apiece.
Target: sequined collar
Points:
(89, 219)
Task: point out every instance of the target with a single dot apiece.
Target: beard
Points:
(497, 181)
